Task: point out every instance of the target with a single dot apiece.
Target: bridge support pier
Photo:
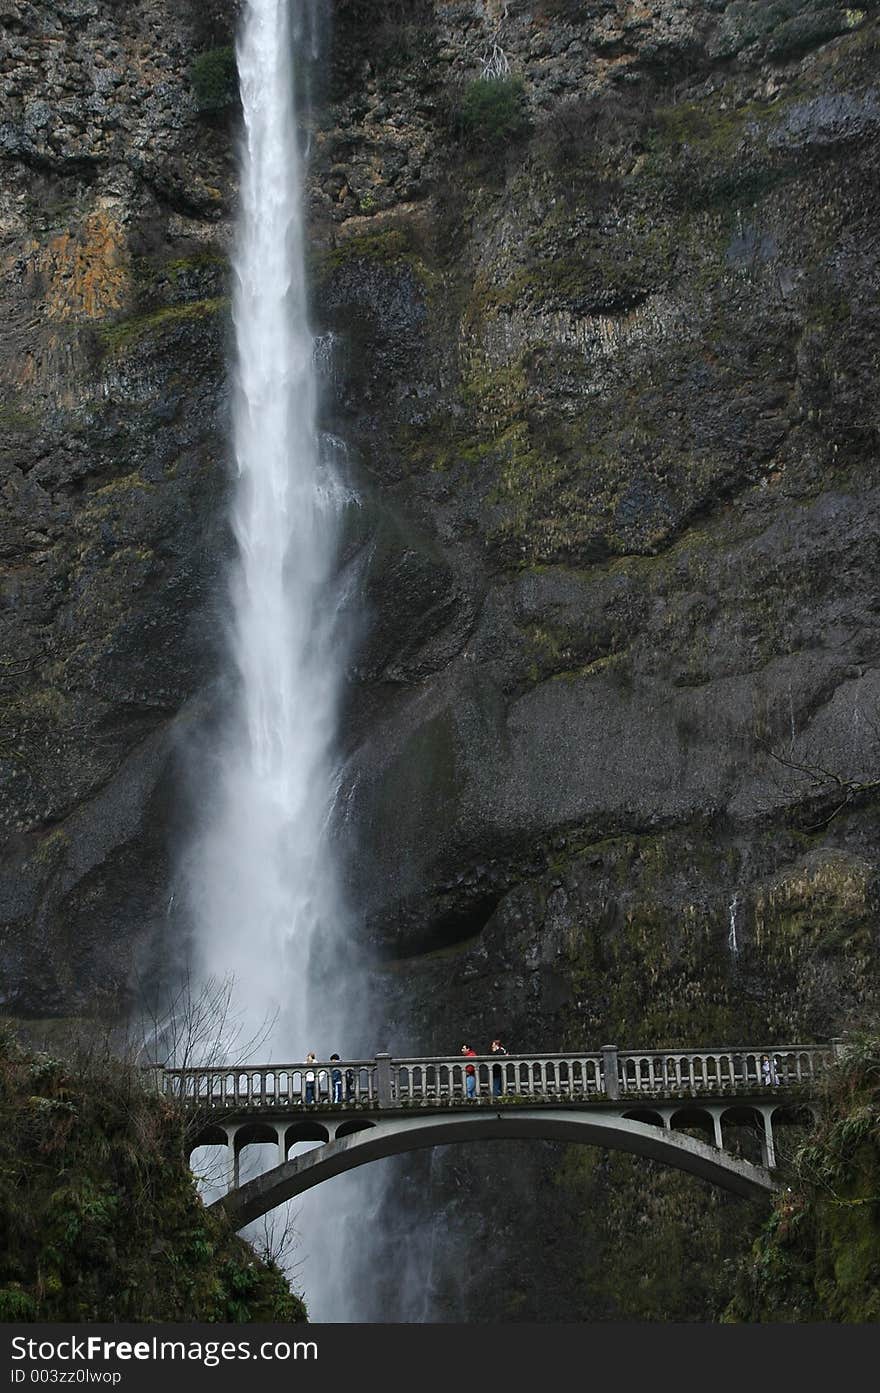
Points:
(716, 1124)
(768, 1149)
(282, 1143)
(233, 1167)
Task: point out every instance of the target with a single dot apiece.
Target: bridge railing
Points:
(427, 1080)
(272, 1086)
(721, 1071)
(389, 1082)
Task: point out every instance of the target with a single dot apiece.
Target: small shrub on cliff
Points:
(491, 112)
(214, 79)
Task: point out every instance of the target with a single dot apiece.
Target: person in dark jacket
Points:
(336, 1081)
(497, 1071)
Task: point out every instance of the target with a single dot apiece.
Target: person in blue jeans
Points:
(470, 1073)
(336, 1081)
(310, 1076)
(497, 1071)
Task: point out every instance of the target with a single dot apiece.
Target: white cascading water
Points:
(264, 888)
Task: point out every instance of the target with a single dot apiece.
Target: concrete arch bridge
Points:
(647, 1102)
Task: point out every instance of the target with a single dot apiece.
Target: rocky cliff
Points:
(598, 287)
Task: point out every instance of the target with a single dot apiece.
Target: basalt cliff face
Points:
(601, 339)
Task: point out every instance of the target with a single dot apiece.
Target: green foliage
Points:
(99, 1214)
(214, 79)
(818, 1256)
(491, 112)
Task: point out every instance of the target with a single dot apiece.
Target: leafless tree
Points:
(826, 787)
(276, 1239)
(196, 1027)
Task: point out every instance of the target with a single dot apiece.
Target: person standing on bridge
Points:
(310, 1076)
(336, 1081)
(497, 1071)
(769, 1072)
(470, 1073)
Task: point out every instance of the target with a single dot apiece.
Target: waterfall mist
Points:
(262, 876)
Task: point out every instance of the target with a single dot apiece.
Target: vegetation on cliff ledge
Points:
(99, 1214)
(818, 1255)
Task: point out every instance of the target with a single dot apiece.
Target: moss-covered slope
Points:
(99, 1215)
(818, 1256)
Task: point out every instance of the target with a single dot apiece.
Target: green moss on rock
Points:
(126, 335)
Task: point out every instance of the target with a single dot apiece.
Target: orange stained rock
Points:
(85, 271)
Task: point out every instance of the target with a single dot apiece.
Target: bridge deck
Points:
(427, 1083)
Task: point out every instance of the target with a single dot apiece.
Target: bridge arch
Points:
(395, 1136)
(647, 1115)
(355, 1124)
(308, 1130)
(255, 1133)
(691, 1116)
(213, 1135)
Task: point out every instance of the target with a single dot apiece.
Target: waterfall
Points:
(732, 941)
(262, 876)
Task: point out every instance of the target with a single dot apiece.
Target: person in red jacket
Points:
(470, 1073)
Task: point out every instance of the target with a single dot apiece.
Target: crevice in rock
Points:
(450, 928)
